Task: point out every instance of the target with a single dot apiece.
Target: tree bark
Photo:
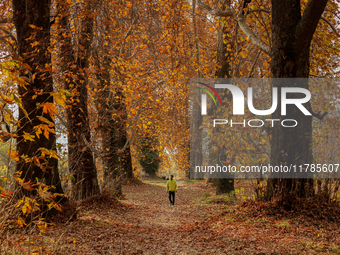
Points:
(33, 20)
(117, 161)
(292, 35)
(226, 184)
(75, 64)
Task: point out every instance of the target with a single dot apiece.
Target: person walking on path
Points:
(171, 187)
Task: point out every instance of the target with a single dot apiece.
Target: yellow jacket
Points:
(171, 185)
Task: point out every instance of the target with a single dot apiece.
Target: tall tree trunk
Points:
(75, 64)
(225, 184)
(292, 35)
(122, 145)
(32, 20)
(196, 154)
(117, 161)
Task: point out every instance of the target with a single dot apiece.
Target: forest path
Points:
(143, 223)
(154, 208)
(167, 223)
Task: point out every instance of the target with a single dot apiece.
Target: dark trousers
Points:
(172, 194)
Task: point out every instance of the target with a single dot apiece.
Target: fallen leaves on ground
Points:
(144, 223)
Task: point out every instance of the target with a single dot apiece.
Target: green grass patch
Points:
(336, 250)
(283, 224)
(227, 199)
(159, 182)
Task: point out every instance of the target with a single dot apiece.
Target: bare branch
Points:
(123, 149)
(87, 144)
(259, 10)
(133, 54)
(331, 25)
(334, 13)
(318, 115)
(241, 19)
(129, 30)
(9, 34)
(3, 39)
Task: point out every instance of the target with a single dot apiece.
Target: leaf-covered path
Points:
(144, 223)
(154, 210)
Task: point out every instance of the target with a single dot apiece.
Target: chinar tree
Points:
(36, 140)
(74, 57)
(292, 30)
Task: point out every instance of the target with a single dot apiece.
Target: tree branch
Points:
(259, 10)
(129, 30)
(331, 25)
(125, 145)
(9, 34)
(4, 21)
(334, 13)
(309, 22)
(241, 19)
(318, 115)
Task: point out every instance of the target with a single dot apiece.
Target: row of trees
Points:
(90, 69)
(114, 73)
(287, 42)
